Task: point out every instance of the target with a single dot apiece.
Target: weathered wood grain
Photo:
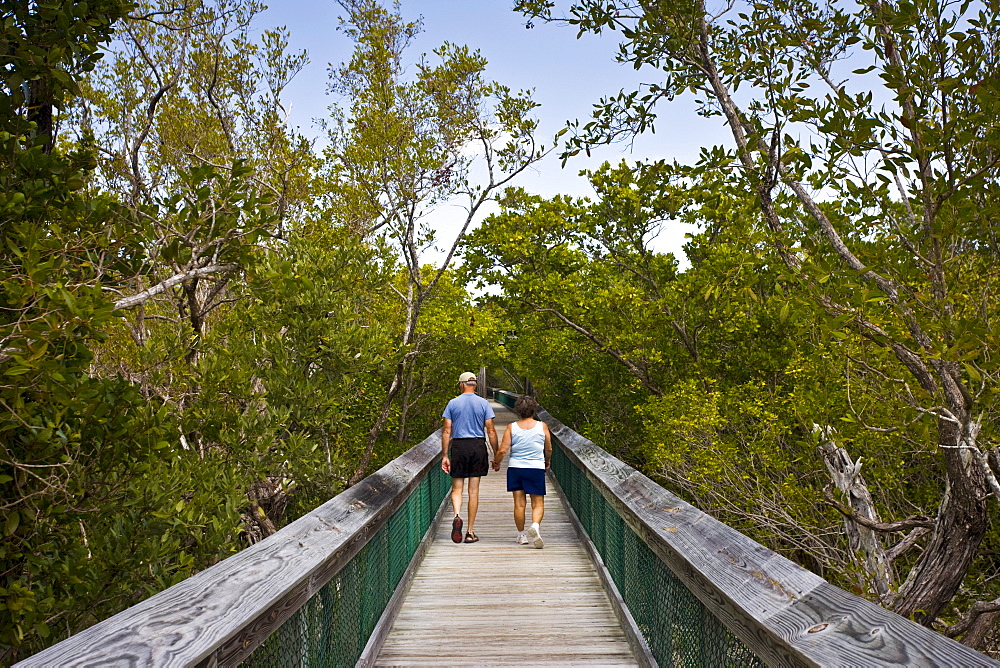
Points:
(786, 614)
(221, 614)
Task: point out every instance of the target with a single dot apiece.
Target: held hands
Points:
(496, 465)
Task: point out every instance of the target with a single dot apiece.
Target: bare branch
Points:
(846, 475)
(145, 295)
(636, 370)
(978, 608)
(912, 522)
(908, 543)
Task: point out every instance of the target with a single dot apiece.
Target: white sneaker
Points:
(522, 539)
(535, 536)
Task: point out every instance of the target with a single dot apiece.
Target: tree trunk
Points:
(412, 313)
(846, 475)
(267, 503)
(404, 408)
(39, 104)
(975, 637)
(194, 314)
(961, 525)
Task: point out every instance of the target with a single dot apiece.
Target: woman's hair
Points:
(526, 406)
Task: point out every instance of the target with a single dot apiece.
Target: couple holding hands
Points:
(468, 423)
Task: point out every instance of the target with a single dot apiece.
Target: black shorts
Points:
(469, 458)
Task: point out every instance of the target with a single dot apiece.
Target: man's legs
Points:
(473, 502)
(520, 501)
(456, 504)
(457, 485)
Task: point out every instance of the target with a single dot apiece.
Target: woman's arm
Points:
(548, 445)
(502, 450)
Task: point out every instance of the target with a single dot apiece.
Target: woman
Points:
(530, 445)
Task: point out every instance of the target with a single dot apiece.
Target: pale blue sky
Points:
(567, 74)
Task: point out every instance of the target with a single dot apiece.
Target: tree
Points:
(586, 265)
(187, 116)
(187, 110)
(402, 148)
(99, 503)
(68, 442)
(290, 375)
(191, 342)
(621, 343)
(881, 209)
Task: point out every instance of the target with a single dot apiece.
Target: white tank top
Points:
(527, 446)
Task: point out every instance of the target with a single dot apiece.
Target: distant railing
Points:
(310, 595)
(703, 594)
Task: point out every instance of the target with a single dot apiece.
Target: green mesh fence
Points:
(332, 628)
(505, 399)
(679, 630)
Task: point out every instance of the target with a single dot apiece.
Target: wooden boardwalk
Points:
(497, 603)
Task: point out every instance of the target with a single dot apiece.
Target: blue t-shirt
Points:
(468, 412)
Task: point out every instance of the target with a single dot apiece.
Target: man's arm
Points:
(445, 443)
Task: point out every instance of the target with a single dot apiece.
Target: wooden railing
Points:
(220, 615)
(787, 615)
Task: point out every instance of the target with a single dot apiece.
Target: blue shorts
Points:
(530, 481)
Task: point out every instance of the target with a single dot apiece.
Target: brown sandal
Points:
(471, 538)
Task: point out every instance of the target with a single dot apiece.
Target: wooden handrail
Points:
(220, 615)
(786, 614)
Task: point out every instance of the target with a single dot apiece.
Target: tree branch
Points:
(908, 543)
(147, 294)
(617, 354)
(978, 608)
(912, 522)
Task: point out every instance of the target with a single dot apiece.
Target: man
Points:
(468, 422)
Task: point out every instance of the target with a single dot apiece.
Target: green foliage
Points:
(72, 445)
(282, 332)
(868, 200)
(400, 147)
(51, 45)
(402, 144)
(257, 326)
(288, 379)
(194, 87)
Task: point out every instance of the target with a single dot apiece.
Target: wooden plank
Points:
(223, 613)
(786, 614)
(496, 602)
